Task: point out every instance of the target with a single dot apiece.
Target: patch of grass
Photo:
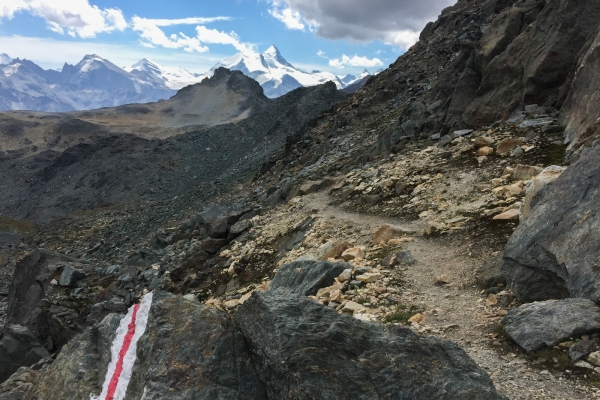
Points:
(362, 300)
(556, 153)
(401, 315)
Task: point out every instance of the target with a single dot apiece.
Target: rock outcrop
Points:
(544, 324)
(279, 345)
(305, 350)
(553, 254)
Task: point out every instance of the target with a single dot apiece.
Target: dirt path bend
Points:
(457, 310)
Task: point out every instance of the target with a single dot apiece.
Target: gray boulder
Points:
(70, 276)
(554, 253)
(305, 278)
(18, 348)
(303, 350)
(543, 324)
(189, 351)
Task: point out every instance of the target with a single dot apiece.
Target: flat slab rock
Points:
(542, 324)
(304, 350)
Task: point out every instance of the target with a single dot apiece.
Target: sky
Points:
(340, 36)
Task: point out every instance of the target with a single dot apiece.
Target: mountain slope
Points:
(223, 128)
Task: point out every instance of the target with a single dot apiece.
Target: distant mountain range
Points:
(96, 82)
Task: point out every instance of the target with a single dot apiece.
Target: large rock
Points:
(527, 54)
(535, 326)
(554, 253)
(189, 351)
(305, 278)
(18, 348)
(304, 350)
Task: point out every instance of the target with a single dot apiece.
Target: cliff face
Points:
(481, 62)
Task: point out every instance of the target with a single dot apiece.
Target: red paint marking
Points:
(112, 386)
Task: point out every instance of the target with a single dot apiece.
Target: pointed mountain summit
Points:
(273, 58)
(5, 59)
(274, 73)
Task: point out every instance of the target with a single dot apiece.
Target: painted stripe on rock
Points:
(123, 351)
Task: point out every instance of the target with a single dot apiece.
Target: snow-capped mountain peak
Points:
(173, 77)
(5, 59)
(273, 58)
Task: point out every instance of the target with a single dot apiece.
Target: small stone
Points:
(594, 358)
(525, 172)
(333, 249)
(581, 349)
(482, 141)
(566, 344)
(442, 280)
(387, 232)
(345, 276)
(509, 215)
(336, 296)
(417, 318)
(351, 307)
(505, 146)
(484, 151)
(583, 364)
(492, 300)
(403, 257)
(354, 253)
(356, 284)
(433, 227)
(369, 277)
(70, 276)
(401, 240)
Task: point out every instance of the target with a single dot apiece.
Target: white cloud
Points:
(292, 19)
(187, 21)
(152, 35)
(321, 54)
(355, 61)
(8, 8)
(395, 22)
(73, 17)
(213, 36)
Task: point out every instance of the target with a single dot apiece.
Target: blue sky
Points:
(341, 36)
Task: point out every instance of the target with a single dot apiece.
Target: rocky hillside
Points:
(442, 215)
(76, 164)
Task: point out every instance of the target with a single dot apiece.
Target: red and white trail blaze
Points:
(123, 351)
